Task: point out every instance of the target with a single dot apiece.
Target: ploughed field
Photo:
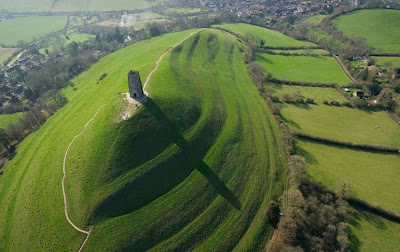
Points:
(197, 163)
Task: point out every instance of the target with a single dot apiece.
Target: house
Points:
(358, 93)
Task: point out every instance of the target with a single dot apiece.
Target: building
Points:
(135, 85)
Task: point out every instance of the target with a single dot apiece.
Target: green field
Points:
(5, 53)
(394, 61)
(75, 37)
(373, 233)
(27, 28)
(6, 120)
(303, 51)
(271, 37)
(303, 68)
(315, 19)
(379, 26)
(75, 5)
(374, 176)
(316, 93)
(343, 123)
(184, 10)
(196, 164)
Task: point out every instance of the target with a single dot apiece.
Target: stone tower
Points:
(135, 85)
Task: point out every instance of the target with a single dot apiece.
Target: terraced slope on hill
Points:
(196, 164)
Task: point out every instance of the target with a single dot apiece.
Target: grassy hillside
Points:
(343, 123)
(75, 5)
(303, 68)
(7, 120)
(197, 163)
(373, 175)
(27, 28)
(379, 26)
(271, 37)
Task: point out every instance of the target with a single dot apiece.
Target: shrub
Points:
(272, 213)
(310, 101)
(326, 102)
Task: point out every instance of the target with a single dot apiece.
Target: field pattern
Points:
(188, 152)
(373, 175)
(5, 53)
(343, 124)
(317, 93)
(271, 37)
(380, 27)
(27, 28)
(303, 68)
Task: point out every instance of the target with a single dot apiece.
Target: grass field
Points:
(271, 37)
(315, 19)
(184, 10)
(303, 68)
(372, 233)
(75, 5)
(5, 53)
(379, 26)
(303, 51)
(343, 123)
(373, 175)
(75, 37)
(6, 120)
(316, 93)
(394, 61)
(196, 164)
(27, 28)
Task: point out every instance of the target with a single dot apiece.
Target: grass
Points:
(343, 123)
(303, 68)
(75, 5)
(394, 61)
(197, 163)
(373, 175)
(6, 119)
(271, 37)
(75, 37)
(378, 26)
(184, 10)
(372, 233)
(5, 53)
(315, 19)
(303, 51)
(316, 93)
(28, 28)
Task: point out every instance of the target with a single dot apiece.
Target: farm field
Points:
(184, 10)
(8, 119)
(303, 51)
(27, 28)
(373, 233)
(75, 5)
(373, 175)
(317, 93)
(194, 128)
(343, 124)
(271, 37)
(5, 53)
(75, 37)
(394, 61)
(303, 68)
(380, 27)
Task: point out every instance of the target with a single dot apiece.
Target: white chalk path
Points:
(83, 129)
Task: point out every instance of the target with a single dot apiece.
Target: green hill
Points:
(380, 27)
(196, 164)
